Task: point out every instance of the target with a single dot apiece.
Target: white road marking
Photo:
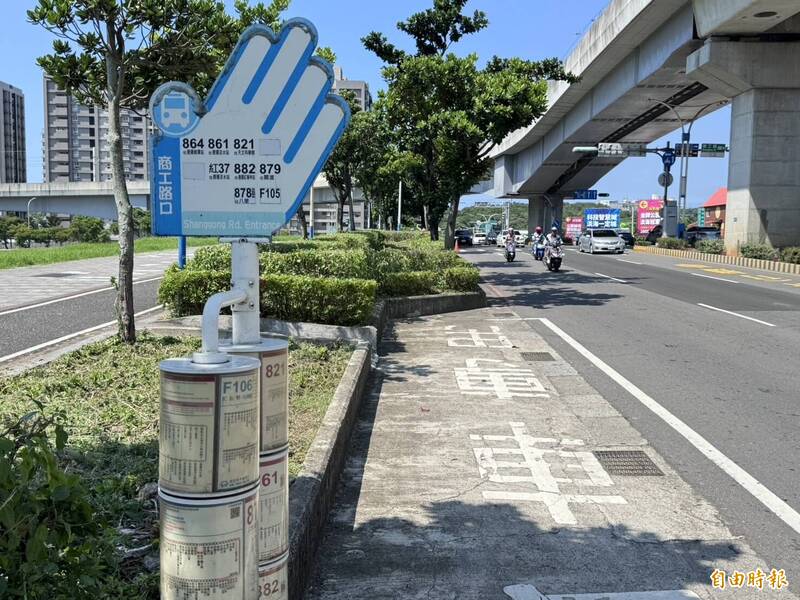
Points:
(609, 277)
(81, 295)
(538, 456)
(778, 507)
(70, 336)
(633, 262)
(727, 312)
(712, 277)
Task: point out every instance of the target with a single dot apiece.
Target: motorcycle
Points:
(553, 256)
(511, 251)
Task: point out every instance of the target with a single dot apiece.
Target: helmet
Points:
(538, 230)
(554, 228)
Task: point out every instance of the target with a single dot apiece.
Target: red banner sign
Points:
(648, 215)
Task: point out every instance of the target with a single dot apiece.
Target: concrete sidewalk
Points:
(22, 286)
(483, 462)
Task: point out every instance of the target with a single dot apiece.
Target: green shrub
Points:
(287, 297)
(433, 259)
(791, 254)
(51, 544)
(711, 246)
(185, 292)
(759, 251)
(671, 243)
(461, 279)
(211, 258)
(410, 283)
(344, 264)
(88, 229)
(318, 299)
(388, 260)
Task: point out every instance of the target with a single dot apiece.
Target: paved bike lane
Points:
(483, 466)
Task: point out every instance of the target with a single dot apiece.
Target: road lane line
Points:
(778, 507)
(81, 295)
(609, 277)
(633, 262)
(64, 338)
(712, 277)
(727, 312)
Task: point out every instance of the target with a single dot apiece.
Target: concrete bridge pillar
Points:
(764, 166)
(536, 209)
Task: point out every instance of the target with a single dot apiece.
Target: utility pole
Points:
(311, 216)
(399, 203)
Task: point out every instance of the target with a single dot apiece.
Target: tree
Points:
(379, 163)
(449, 112)
(7, 226)
(115, 53)
(141, 222)
(88, 229)
(340, 167)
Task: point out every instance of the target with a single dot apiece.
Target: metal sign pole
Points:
(215, 171)
(311, 209)
(399, 203)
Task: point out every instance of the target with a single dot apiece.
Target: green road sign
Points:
(701, 217)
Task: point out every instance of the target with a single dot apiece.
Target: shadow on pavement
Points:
(548, 289)
(436, 543)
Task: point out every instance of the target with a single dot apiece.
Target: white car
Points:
(501, 239)
(479, 238)
(601, 240)
(521, 237)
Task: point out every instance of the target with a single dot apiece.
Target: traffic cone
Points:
(457, 249)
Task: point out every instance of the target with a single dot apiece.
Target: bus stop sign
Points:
(241, 163)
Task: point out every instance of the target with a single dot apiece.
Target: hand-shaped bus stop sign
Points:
(241, 164)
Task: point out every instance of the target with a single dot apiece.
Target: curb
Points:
(313, 491)
(740, 261)
(417, 306)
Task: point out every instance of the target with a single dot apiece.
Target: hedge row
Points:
(711, 246)
(418, 283)
(285, 297)
(333, 261)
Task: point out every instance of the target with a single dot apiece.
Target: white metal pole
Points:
(311, 202)
(29, 211)
(399, 203)
(244, 276)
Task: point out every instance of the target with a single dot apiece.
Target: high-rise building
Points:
(359, 88)
(13, 165)
(75, 145)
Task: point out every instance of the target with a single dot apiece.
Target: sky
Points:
(531, 29)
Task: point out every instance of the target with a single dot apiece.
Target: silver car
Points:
(601, 240)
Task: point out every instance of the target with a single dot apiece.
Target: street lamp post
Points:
(29, 210)
(686, 135)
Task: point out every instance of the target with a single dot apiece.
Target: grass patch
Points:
(110, 394)
(26, 257)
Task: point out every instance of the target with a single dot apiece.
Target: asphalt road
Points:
(40, 324)
(731, 379)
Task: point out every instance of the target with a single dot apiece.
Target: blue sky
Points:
(526, 28)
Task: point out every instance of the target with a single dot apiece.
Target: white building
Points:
(359, 88)
(74, 142)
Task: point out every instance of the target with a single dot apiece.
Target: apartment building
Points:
(13, 166)
(74, 142)
(325, 209)
(359, 88)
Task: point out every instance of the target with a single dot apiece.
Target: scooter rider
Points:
(553, 237)
(538, 243)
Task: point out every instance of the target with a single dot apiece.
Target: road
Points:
(66, 299)
(730, 376)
